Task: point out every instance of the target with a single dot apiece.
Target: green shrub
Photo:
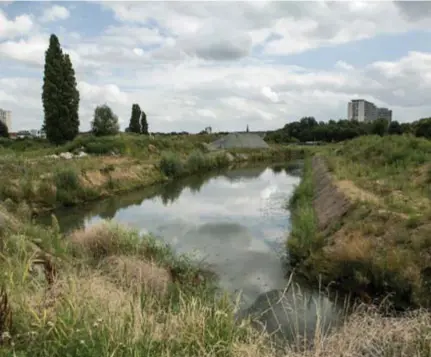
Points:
(67, 179)
(221, 161)
(197, 162)
(171, 165)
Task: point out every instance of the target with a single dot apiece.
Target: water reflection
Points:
(236, 221)
(293, 314)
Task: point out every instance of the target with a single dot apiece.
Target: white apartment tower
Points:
(361, 110)
(6, 118)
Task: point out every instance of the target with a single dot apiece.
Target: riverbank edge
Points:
(319, 210)
(154, 175)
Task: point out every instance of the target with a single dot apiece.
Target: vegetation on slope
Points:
(107, 291)
(383, 245)
(114, 164)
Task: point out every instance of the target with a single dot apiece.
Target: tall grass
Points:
(197, 162)
(373, 250)
(303, 238)
(106, 298)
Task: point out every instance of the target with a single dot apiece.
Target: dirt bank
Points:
(329, 202)
(346, 237)
(53, 183)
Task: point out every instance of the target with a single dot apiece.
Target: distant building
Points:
(23, 134)
(6, 118)
(37, 133)
(384, 113)
(361, 110)
(364, 111)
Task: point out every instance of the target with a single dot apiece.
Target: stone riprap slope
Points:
(240, 141)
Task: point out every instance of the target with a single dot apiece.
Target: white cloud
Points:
(270, 94)
(31, 50)
(11, 28)
(199, 67)
(55, 13)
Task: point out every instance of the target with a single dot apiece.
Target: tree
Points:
(134, 126)
(71, 99)
(4, 131)
(144, 124)
(60, 97)
(395, 128)
(105, 122)
(379, 127)
(423, 128)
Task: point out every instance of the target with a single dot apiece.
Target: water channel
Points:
(237, 222)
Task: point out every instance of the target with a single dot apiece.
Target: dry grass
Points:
(355, 193)
(350, 246)
(136, 274)
(381, 245)
(102, 240)
(369, 334)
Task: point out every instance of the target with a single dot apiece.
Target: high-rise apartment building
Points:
(384, 113)
(6, 118)
(362, 110)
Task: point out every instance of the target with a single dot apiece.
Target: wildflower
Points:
(95, 325)
(82, 342)
(99, 320)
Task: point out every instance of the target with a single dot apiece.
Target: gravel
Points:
(232, 141)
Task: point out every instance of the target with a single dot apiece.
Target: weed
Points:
(171, 165)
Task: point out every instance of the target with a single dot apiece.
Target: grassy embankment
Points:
(28, 175)
(383, 244)
(106, 291)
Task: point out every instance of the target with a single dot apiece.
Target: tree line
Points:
(308, 129)
(60, 98)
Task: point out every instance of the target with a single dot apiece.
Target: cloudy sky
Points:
(225, 64)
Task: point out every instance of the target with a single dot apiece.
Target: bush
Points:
(197, 162)
(67, 183)
(105, 122)
(171, 165)
(67, 179)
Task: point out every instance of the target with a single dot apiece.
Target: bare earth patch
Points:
(355, 193)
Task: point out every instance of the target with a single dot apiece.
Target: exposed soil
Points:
(329, 202)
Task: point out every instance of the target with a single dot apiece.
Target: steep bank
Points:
(359, 240)
(108, 291)
(111, 166)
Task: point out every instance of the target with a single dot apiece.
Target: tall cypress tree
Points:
(144, 123)
(51, 90)
(59, 95)
(71, 100)
(134, 126)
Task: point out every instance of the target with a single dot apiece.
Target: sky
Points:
(222, 64)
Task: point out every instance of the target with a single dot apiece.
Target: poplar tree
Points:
(144, 124)
(134, 125)
(60, 96)
(71, 99)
